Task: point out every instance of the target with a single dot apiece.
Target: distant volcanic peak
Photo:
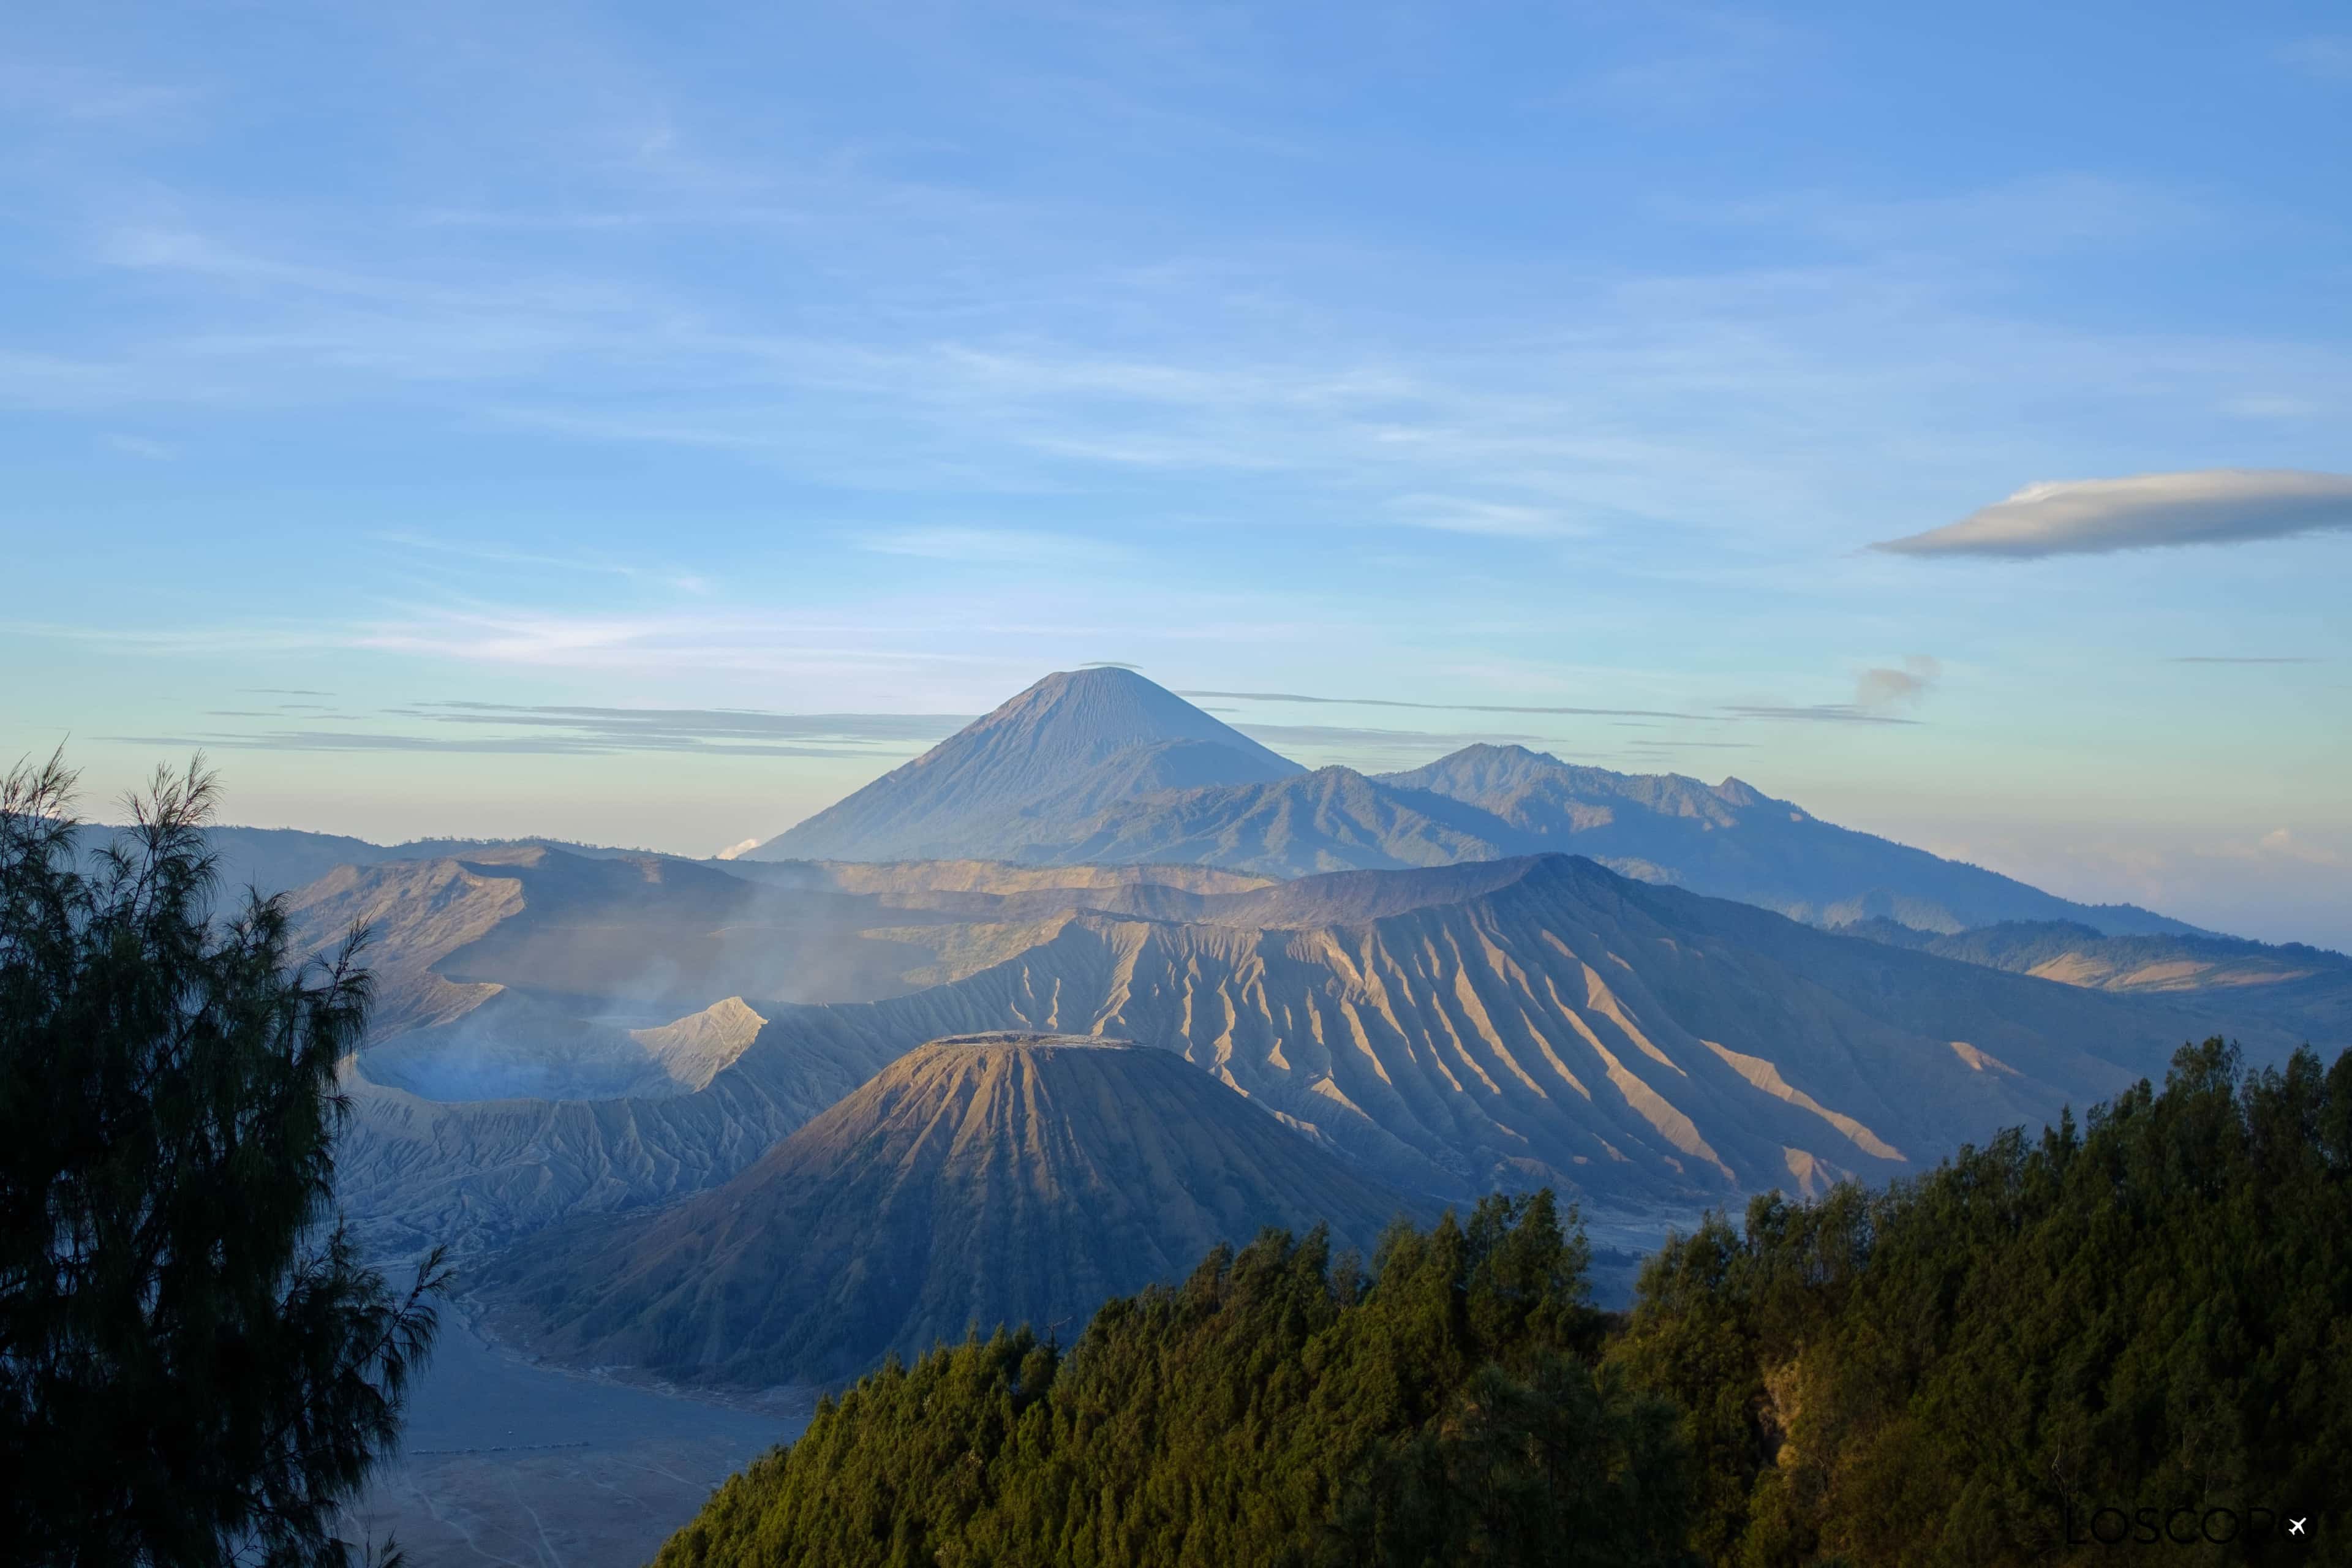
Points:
(1109, 709)
(1060, 752)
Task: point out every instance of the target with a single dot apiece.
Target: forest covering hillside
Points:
(2042, 1349)
(1279, 1407)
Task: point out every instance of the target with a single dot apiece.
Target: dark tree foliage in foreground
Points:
(2133, 1335)
(2152, 1312)
(193, 1368)
(1275, 1409)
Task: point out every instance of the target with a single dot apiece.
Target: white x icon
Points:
(2294, 1527)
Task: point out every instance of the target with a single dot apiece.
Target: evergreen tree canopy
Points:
(194, 1368)
(2150, 1313)
(1276, 1408)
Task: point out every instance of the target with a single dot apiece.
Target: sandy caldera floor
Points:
(505, 1461)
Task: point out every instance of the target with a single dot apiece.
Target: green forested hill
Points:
(2151, 1311)
(1277, 1408)
(2040, 1352)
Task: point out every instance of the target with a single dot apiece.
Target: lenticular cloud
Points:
(2211, 506)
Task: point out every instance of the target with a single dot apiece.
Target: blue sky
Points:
(387, 391)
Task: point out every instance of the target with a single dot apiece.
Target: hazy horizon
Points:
(414, 409)
(676, 839)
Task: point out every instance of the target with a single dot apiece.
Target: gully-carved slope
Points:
(997, 1179)
(1502, 1024)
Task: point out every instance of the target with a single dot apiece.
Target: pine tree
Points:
(195, 1365)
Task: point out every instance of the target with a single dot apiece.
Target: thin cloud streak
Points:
(589, 730)
(1819, 713)
(1442, 707)
(1340, 736)
(625, 725)
(690, 582)
(506, 745)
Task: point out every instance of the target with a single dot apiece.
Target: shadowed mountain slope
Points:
(1486, 803)
(2299, 987)
(998, 1179)
(1333, 819)
(1066, 748)
(1453, 1029)
(1733, 841)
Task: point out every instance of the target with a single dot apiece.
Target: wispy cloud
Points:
(495, 745)
(1438, 707)
(2211, 506)
(587, 730)
(663, 727)
(1815, 713)
(1324, 735)
(1461, 514)
(2243, 658)
(503, 635)
(1878, 690)
(690, 582)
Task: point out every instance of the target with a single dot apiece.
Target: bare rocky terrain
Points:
(988, 1181)
(1542, 1021)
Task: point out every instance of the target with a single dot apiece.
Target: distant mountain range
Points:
(973, 1182)
(281, 860)
(2308, 989)
(678, 1111)
(1101, 766)
(1514, 1023)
